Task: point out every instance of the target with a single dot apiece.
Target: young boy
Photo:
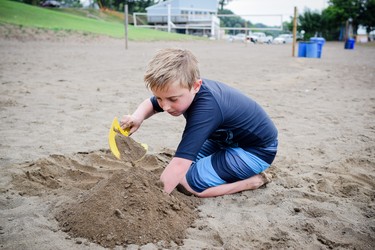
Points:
(228, 139)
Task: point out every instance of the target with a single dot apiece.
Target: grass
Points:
(26, 15)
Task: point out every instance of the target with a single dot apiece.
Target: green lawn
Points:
(69, 19)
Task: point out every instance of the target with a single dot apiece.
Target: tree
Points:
(133, 5)
(331, 24)
(288, 25)
(70, 3)
(311, 23)
(232, 21)
(367, 15)
(360, 11)
(222, 3)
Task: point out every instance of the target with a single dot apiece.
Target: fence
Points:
(208, 25)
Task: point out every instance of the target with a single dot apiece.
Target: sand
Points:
(60, 187)
(130, 150)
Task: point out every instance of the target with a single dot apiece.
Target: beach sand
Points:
(60, 187)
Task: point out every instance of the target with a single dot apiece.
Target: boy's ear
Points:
(197, 85)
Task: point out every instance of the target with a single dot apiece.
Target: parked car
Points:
(260, 37)
(241, 37)
(283, 38)
(287, 38)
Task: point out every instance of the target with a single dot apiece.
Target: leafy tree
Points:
(288, 26)
(331, 24)
(367, 15)
(232, 21)
(74, 3)
(311, 23)
(222, 3)
(361, 12)
(133, 5)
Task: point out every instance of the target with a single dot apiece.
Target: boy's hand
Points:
(174, 173)
(134, 121)
(131, 122)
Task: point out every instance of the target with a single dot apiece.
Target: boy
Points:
(228, 139)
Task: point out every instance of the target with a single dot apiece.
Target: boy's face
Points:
(176, 100)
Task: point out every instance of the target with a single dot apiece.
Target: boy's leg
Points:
(204, 180)
(251, 183)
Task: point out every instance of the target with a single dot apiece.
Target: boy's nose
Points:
(165, 106)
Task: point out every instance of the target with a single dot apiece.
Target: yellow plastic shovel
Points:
(116, 128)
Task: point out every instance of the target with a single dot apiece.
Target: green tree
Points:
(331, 23)
(287, 26)
(311, 23)
(360, 11)
(367, 15)
(74, 3)
(222, 3)
(133, 5)
(232, 21)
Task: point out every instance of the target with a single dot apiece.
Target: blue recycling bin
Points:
(312, 50)
(320, 41)
(308, 49)
(302, 49)
(349, 44)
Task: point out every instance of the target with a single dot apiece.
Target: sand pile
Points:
(127, 208)
(110, 202)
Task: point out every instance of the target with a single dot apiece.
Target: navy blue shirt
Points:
(222, 113)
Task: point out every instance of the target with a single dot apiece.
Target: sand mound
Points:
(127, 208)
(107, 201)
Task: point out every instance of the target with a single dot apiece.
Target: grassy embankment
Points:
(89, 21)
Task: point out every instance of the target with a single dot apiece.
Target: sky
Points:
(273, 7)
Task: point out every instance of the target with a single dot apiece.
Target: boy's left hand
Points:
(174, 172)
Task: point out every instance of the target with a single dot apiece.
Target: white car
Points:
(260, 37)
(284, 38)
(241, 37)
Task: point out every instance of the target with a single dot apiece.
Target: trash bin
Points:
(308, 49)
(349, 44)
(312, 50)
(320, 41)
(301, 49)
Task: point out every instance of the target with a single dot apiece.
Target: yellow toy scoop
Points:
(131, 150)
(115, 128)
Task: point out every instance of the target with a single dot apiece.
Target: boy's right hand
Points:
(131, 122)
(134, 121)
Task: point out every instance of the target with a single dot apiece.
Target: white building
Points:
(186, 16)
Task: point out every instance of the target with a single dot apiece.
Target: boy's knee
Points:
(180, 188)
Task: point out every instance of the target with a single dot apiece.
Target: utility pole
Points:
(294, 30)
(126, 25)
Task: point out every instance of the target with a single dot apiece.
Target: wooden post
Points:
(294, 30)
(169, 18)
(126, 25)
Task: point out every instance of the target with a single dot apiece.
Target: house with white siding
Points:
(186, 16)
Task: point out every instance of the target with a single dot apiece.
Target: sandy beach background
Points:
(60, 188)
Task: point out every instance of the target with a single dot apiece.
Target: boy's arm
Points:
(134, 121)
(144, 110)
(174, 172)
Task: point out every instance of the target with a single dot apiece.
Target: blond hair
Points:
(170, 66)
